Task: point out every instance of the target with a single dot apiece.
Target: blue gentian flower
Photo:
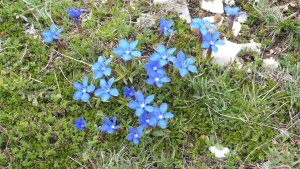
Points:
(157, 77)
(83, 90)
(141, 104)
(52, 34)
(211, 40)
(144, 120)
(162, 55)
(105, 92)
(184, 65)
(110, 126)
(152, 65)
(233, 11)
(80, 124)
(165, 27)
(101, 68)
(126, 50)
(75, 13)
(135, 135)
(129, 92)
(159, 115)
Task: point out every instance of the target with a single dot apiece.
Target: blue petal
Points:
(110, 131)
(118, 51)
(139, 96)
(85, 97)
(99, 92)
(203, 31)
(161, 49)
(100, 59)
(133, 44)
(139, 130)
(168, 115)
(149, 108)
(135, 141)
(197, 20)
(161, 71)
(46, 33)
(171, 31)
(165, 79)
(163, 108)
(90, 88)
(59, 31)
(149, 99)
(139, 111)
(162, 123)
(110, 82)
(172, 59)
(220, 42)
(48, 39)
(177, 65)
(205, 45)
(192, 68)
(114, 120)
(207, 37)
(215, 36)
(159, 84)
(132, 130)
(107, 71)
(171, 51)
(150, 81)
(107, 121)
(214, 48)
(153, 121)
(105, 97)
(170, 23)
(107, 61)
(195, 26)
(155, 57)
(162, 62)
(114, 92)
(126, 57)
(95, 67)
(133, 105)
(151, 73)
(129, 137)
(77, 85)
(52, 29)
(190, 61)
(183, 72)
(85, 82)
(123, 44)
(104, 128)
(102, 83)
(77, 95)
(98, 74)
(181, 56)
(136, 53)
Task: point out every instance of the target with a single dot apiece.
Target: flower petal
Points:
(165, 79)
(183, 72)
(139, 111)
(162, 62)
(104, 128)
(195, 26)
(215, 36)
(168, 115)
(192, 68)
(114, 92)
(139, 130)
(136, 53)
(126, 57)
(171, 51)
(99, 92)
(153, 121)
(53, 29)
(102, 83)
(161, 49)
(149, 108)
(149, 99)
(77, 86)
(133, 44)
(90, 88)
(118, 51)
(133, 105)
(110, 82)
(85, 97)
(205, 45)
(163, 108)
(214, 48)
(135, 141)
(98, 74)
(105, 97)
(123, 44)
(107, 71)
(100, 59)
(85, 82)
(129, 137)
(155, 57)
(162, 124)
(150, 81)
(181, 56)
(77, 95)
(139, 96)
(220, 42)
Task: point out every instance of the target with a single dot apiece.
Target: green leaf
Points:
(158, 133)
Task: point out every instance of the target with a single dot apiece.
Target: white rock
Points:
(219, 153)
(179, 6)
(236, 28)
(229, 2)
(215, 7)
(145, 21)
(252, 46)
(226, 53)
(242, 18)
(270, 63)
(211, 19)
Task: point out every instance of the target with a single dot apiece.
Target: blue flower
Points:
(100, 68)
(201, 25)
(144, 120)
(141, 104)
(211, 40)
(135, 135)
(126, 50)
(75, 13)
(165, 27)
(157, 77)
(110, 126)
(233, 11)
(184, 65)
(152, 65)
(163, 56)
(105, 91)
(52, 34)
(80, 124)
(128, 92)
(83, 90)
(159, 115)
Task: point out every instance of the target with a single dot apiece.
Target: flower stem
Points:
(209, 51)
(80, 30)
(129, 68)
(159, 36)
(59, 45)
(200, 38)
(230, 24)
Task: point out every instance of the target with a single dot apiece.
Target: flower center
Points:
(107, 89)
(82, 126)
(160, 116)
(127, 51)
(147, 120)
(184, 64)
(112, 126)
(142, 105)
(83, 90)
(154, 68)
(102, 67)
(164, 56)
(212, 43)
(165, 28)
(136, 135)
(156, 79)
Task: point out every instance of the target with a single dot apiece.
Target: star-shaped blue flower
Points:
(141, 104)
(135, 135)
(159, 115)
(52, 34)
(110, 126)
(83, 90)
(211, 40)
(162, 55)
(80, 124)
(126, 50)
(184, 65)
(129, 92)
(152, 65)
(157, 77)
(165, 27)
(101, 68)
(75, 13)
(233, 11)
(105, 92)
